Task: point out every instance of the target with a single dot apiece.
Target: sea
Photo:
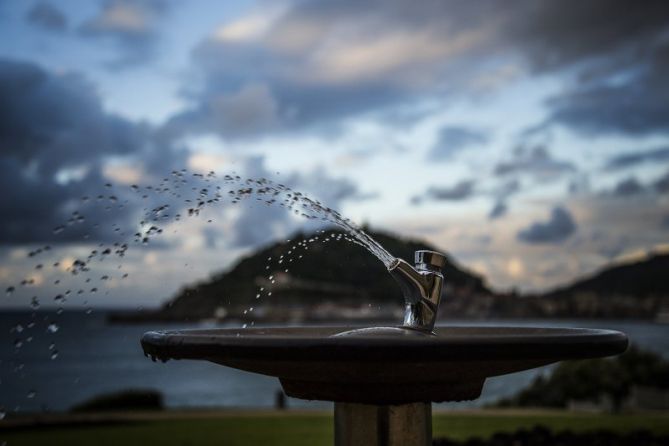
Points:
(51, 362)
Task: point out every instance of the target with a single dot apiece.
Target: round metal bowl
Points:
(384, 365)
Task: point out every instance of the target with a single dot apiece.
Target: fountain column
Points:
(383, 425)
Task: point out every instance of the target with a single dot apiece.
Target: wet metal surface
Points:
(384, 365)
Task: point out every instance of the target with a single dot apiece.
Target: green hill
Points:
(338, 280)
(328, 271)
(647, 277)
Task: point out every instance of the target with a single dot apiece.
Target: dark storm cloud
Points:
(131, 25)
(467, 189)
(53, 137)
(632, 159)
(458, 192)
(631, 186)
(498, 210)
(556, 229)
(628, 187)
(251, 111)
(623, 54)
(275, 107)
(639, 107)
(661, 185)
(453, 139)
(56, 143)
(47, 16)
(597, 32)
(322, 61)
(501, 195)
(536, 161)
(618, 51)
(55, 121)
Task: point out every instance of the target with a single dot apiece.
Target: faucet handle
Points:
(430, 260)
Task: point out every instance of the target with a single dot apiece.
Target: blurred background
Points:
(527, 140)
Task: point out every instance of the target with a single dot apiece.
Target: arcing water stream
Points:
(176, 198)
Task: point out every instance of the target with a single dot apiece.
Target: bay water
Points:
(95, 357)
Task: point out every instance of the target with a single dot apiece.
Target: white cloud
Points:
(250, 109)
(398, 56)
(124, 172)
(205, 162)
(515, 268)
(245, 29)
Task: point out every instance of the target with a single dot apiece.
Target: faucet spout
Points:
(421, 288)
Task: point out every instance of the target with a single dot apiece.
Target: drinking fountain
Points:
(383, 380)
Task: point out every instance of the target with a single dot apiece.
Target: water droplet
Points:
(52, 328)
(31, 394)
(54, 355)
(9, 290)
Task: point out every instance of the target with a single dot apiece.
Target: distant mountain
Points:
(338, 280)
(327, 272)
(648, 277)
(636, 290)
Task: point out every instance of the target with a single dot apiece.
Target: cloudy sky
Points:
(528, 139)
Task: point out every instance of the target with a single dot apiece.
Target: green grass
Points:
(296, 430)
(308, 429)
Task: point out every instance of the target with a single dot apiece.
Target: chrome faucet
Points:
(421, 287)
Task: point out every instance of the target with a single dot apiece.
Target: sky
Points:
(529, 140)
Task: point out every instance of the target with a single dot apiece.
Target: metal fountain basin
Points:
(384, 379)
(384, 365)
